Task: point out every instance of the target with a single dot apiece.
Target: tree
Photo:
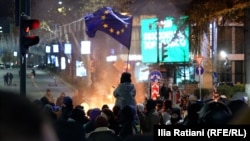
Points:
(228, 91)
(65, 12)
(201, 13)
(7, 56)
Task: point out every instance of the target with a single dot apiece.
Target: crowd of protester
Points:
(127, 120)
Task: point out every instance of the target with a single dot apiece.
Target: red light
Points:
(27, 29)
(29, 24)
(26, 40)
(35, 24)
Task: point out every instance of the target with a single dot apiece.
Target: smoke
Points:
(106, 76)
(160, 8)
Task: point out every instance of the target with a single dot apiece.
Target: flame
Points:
(97, 100)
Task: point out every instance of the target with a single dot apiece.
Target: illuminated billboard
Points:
(174, 38)
(81, 70)
(55, 48)
(67, 48)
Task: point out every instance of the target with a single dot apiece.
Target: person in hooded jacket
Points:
(125, 91)
(152, 117)
(102, 131)
(67, 107)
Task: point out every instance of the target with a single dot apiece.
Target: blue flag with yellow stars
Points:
(115, 24)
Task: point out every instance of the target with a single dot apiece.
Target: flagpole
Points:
(127, 60)
(130, 36)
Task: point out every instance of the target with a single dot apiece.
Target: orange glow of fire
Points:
(98, 100)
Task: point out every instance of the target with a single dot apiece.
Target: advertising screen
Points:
(55, 48)
(81, 70)
(85, 47)
(67, 48)
(167, 33)
(47, 49)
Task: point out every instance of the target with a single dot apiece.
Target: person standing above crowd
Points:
(125, 91)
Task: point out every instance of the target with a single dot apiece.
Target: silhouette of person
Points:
(125, 92)
(10, 77)
(33, 72)
(23, 120)
(6, 79)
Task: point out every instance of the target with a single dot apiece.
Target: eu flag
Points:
(108, 21)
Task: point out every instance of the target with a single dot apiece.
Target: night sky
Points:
(7, 8)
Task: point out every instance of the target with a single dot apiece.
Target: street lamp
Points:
(159, 24)
(226, 64)
(223, 54)
(15, 53)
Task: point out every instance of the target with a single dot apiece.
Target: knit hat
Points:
(94, 113)
(77, 114)
(67, 101)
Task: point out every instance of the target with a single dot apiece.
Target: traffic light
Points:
(164, 51)
(27, 40)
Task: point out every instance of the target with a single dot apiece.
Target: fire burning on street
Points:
(99, 98)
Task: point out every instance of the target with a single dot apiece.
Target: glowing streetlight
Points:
(223, 54)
